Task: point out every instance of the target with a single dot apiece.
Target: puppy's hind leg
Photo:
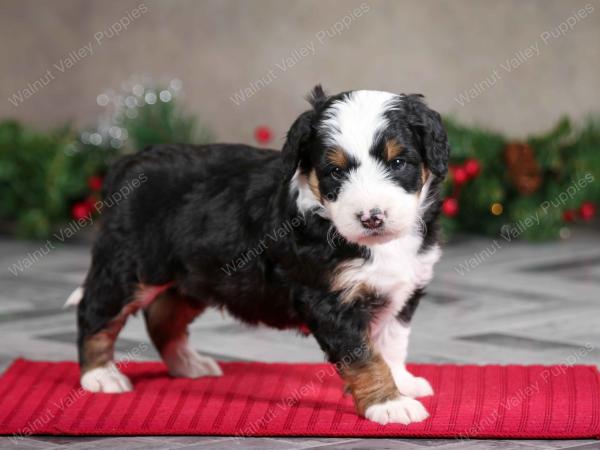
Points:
(100, 317)
(167, 320)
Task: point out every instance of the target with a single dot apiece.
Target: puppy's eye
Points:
(398, 163)
(336, 173)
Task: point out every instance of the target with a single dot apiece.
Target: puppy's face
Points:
(364, 165)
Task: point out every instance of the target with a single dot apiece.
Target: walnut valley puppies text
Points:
(76, 225)
(523, 55)
(296, 55)
(72, 57)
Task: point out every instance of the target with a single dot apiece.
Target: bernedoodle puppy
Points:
(337, 233)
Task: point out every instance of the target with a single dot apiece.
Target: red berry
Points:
(95, 182)
(81, 210)
(263, 134)
(587, 210)
(460, 175)
(450, 207)
(568, 215)
(472, 168)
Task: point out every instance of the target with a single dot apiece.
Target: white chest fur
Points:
(394, 270)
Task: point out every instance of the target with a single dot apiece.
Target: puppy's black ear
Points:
(300, 132)
(431, 133)
(317, 97)
(297, 136)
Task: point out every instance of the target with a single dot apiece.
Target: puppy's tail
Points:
(74, 298)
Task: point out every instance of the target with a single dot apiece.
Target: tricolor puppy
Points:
(336, 233)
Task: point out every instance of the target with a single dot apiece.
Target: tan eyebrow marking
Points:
(338, 157)
(392, 149)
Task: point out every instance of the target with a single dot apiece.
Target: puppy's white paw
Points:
(106, 379)
(412, 386)
(420, 387)
(184, 362)
(404, 410)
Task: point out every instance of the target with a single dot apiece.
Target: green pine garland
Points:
(44, 175)
(163, 122)
(40, 176)
(569, 165)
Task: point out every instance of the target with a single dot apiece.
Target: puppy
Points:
(337, 233)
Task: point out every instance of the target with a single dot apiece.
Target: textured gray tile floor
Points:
(529, 303)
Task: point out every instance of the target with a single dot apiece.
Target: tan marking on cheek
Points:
(370, 382)
(338, 158)
(313, 183)
(424, 177)
(424, 173)
(392, 149)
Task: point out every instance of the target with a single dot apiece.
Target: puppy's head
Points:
(364, 160)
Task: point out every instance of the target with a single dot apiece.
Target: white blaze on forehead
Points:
(354, 122)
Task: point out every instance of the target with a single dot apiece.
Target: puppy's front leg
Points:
(342, 331)
(391, 341)
(375, 393)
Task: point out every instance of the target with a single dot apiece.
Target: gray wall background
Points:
(217, 47)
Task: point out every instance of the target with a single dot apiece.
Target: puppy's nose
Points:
(373, 219)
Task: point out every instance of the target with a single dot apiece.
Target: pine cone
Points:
(523, 168)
